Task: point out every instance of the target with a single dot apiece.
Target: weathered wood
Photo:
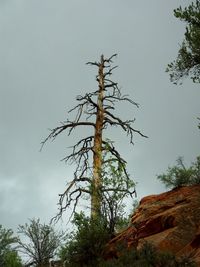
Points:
(97, 149)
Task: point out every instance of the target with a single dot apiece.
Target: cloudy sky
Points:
(43, 50)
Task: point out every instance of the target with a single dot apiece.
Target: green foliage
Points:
(6, 239)
(85, 245)
(187, 62)
(12, 259)
(147, 256)
(8, 256)
(42, 241)
(144, 257)
(117, 189)
(179, 175)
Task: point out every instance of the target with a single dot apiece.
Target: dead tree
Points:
(95, 110)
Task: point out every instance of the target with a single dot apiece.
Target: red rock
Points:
(170, 221)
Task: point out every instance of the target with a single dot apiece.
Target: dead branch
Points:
(58, 130)
(66, 200)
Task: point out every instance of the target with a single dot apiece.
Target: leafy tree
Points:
(8, 256)
(42, 242)
(179, 175)
(187, 63)
(95, 110)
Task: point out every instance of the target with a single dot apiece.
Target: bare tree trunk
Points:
(96, 195)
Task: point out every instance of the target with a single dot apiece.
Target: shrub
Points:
(147, 256)
(179, 175)
(12, 259)
(85, 245)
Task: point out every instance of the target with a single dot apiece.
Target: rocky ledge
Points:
(170, 221)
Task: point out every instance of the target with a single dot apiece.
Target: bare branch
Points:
(109, 72)
(58, 130)
(66, 200)
(109, 60)
(127, 192)
(110, 147)
(125, 125)
(93, 63)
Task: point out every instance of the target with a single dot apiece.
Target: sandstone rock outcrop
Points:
(170, 221)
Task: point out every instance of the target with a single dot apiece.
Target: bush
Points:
(12, 259)
(179, 175)
(147, 256)
(85, 245)
(85, 250)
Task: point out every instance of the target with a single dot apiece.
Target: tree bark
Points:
(96, 195)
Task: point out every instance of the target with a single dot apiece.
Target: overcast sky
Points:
(43, 50)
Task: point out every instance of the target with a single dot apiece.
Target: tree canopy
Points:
(8, 255)
(42, 242)
(187, 63)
